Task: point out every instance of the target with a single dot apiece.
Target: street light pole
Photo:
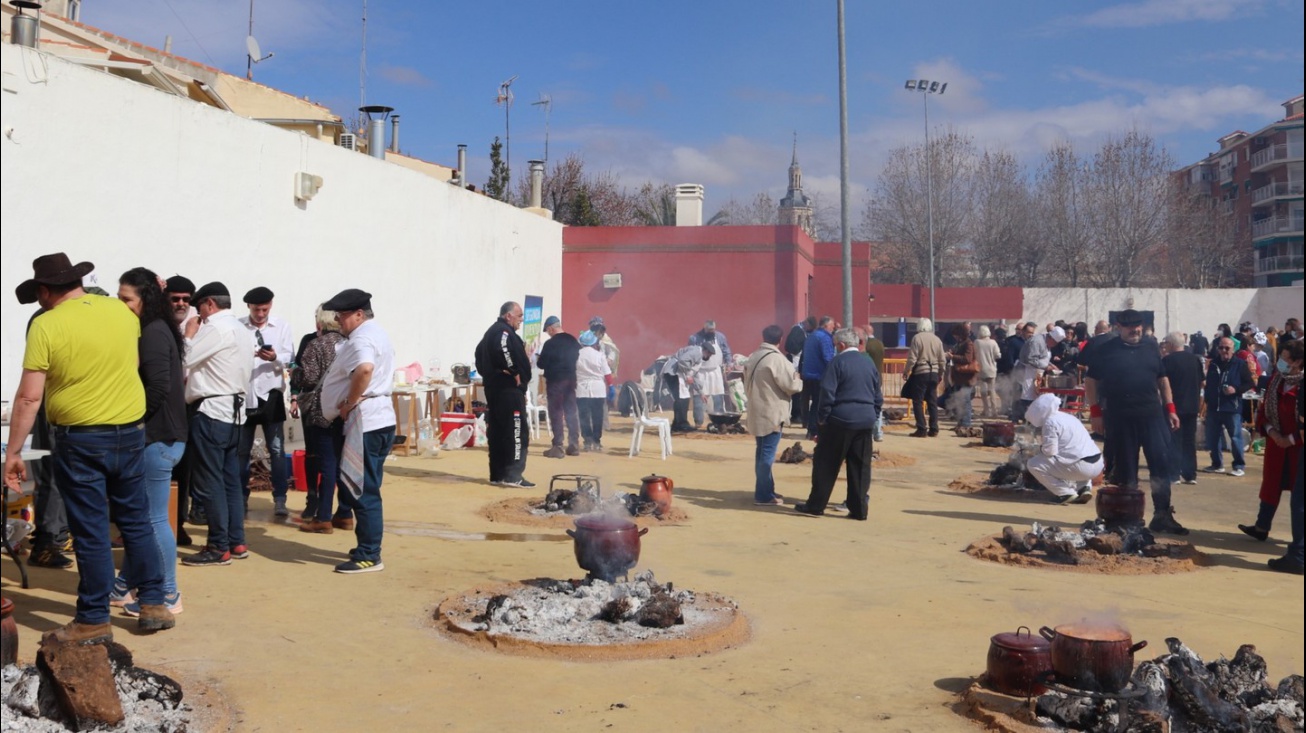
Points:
(845, 232)
(927, 87)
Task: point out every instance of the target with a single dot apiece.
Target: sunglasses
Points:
(180, 298)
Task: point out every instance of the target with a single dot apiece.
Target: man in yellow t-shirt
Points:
(81, 359)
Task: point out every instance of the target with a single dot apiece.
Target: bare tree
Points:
(896, 214)
(1129, 193)
(1061, 214)
(761, 210)
(604, 200)
(1205, 245)
(1005, 245)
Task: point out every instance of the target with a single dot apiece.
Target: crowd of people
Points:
(165, 383)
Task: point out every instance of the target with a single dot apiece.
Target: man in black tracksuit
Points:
(505, 371)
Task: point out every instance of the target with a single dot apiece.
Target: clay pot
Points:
(1120, 506)
(998, 434)
(1018, 662)
(657, 489)
(1093, 658)
(605, 546)
(8, 633)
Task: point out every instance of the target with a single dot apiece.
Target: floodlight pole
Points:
(845, 234)
(926, 88)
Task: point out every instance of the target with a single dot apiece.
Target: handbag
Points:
(905, 392)
(970, 367)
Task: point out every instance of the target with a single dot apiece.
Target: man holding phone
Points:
(274, 349)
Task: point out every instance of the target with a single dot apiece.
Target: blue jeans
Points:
(1216, 423)
(216, 472)
(275, 443)
(763, 457)
(367, 508)
(323, 464)
(99, 473)
(160, 458)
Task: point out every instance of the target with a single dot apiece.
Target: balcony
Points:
(1276, 226)
(1282, 263)
(1281, 189)
(1276, 154)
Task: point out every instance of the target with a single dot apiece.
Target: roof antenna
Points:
(505, 98)
(253, 54)
(547, 103)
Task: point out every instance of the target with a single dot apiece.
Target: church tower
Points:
(796, 207)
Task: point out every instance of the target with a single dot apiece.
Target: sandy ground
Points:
(855, 625)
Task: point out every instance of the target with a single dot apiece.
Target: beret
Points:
(258, 296)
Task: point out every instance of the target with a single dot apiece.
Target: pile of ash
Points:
(569, 501)
(588, 611)
(150, 701)
(1178, 692)
(1065, 546)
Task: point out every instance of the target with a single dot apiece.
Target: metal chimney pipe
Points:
(376, 138)
(394, 133)
(23, 27)
(462, 165)
(537, 183)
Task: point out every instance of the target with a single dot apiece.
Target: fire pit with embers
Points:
(1093, 536)
(725, 423)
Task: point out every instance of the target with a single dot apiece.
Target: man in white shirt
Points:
(357, 389)
(265, 404)
(217, 361)
(1068, 460)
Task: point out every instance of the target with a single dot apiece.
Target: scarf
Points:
(351, 457)
(1279, 382)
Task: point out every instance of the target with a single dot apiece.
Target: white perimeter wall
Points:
(1175, 309)
(114, 172)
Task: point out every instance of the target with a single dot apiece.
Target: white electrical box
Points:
(612, 280)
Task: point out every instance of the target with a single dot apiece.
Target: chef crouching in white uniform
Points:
(1068, 460)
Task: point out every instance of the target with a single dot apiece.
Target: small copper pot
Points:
(1120, 506)
(1018, 662)
(605, 546)
(8, 633)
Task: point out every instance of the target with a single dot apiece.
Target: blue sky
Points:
(713, 91)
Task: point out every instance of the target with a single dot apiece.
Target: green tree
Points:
(500, 176)
(582, 213)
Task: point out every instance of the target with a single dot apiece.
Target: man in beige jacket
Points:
(924, 370)
(769, 381)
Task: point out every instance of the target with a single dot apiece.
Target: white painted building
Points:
(1173, 309)
(125, 175)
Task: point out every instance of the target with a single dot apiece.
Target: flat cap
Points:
(552, 321)
(351, 299)
(211, 290)
(596, 321)
(259, 295)
(1129, 317)
(179, 284)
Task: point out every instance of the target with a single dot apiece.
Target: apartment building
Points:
(1257, 178)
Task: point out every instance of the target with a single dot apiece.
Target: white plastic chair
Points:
(643, 421)
(536, 410)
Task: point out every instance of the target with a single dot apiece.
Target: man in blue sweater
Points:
(818, 351)
(846, 410)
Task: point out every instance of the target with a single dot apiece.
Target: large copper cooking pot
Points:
(657, 489)
(1092, 657)
(606, 546)
(1120, 506)
(1018, 663)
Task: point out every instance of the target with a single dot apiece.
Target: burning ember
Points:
(1094, 535)
(1178, 692)
(568, 501)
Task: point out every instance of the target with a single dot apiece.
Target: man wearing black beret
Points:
(266, 403)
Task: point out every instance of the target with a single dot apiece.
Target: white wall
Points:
(1175, 309)
(113, 172)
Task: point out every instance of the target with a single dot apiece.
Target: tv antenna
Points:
(547, 103)
(362, 63)
(505, 100)
(253, 54)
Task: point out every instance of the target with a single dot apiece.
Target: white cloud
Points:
(1165, 12)
(404, 75)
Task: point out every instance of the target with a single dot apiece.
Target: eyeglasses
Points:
(180, 298)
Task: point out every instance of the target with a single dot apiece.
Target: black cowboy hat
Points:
(55, 269)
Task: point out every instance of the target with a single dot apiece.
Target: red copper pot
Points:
(998, 434)
(657, 489)
(8, 633)
(1017, 662)
(605, 546)
(1120, 506)
(1094, 658)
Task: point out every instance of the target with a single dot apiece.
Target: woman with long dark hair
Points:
(161, 350)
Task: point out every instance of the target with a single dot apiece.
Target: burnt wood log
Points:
(83, 683)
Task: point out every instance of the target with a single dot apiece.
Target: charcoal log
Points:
(1276, 716)
(1156, 551)
(1106, 544)
(618, 609)
(1151, 677)
(1242, 679)
(660, 612)
(1080, 713)
(1195, 701)
(1146, 721)
(1061, 551)
(1291, 688)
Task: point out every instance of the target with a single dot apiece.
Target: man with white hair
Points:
(1068, 460)
(1184, 370)
(924, 370)
(1035, 358)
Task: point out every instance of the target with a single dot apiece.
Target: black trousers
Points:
(810, 394)
(924, 388)
(1183, 449)
(507, 433)
(680, 405)
(51, 517)
(1126, 435)
(839, 446)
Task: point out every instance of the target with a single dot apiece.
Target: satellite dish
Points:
(252, 48)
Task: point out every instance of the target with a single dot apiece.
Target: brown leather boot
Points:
(155, 617)
(316, 527)
(76, 632)
(345, 523)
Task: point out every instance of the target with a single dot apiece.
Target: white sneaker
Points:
(1236, 472)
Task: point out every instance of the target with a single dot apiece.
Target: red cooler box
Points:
(449, 421)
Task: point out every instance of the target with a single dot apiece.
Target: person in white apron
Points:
(710, 377)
